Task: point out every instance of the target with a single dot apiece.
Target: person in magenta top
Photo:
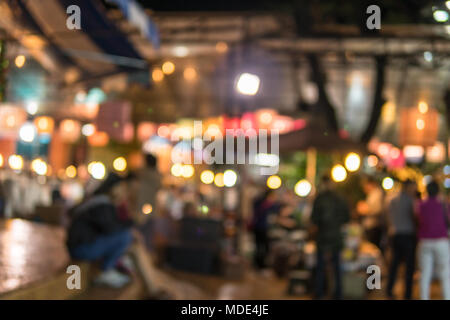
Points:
(432, 220)
(434, 248)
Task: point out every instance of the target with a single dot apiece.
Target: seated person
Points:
(96, 232)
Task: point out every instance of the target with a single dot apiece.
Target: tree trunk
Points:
(318, 76)
(378, 100)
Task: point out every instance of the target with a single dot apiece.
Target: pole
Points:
(3, 67)
(311, 161)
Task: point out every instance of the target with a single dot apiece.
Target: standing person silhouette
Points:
(434, 249)
(330, 212)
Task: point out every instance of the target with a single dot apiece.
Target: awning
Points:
(99, 48)
(137, 17)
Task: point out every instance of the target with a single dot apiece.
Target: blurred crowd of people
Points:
(406, 227)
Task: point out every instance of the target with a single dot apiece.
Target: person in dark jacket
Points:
(402, 228)
(97, 233)
(330, 212)
(262, 207)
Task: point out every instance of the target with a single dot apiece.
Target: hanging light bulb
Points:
(338, 173)
(15, 162)
(273, 182)
(248, 84)
(352, 162)
(27, 132)
(302, 188)
(20, 61)
(168, 67)
(229, 178)
(120, 164)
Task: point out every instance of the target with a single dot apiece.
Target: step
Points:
(133, 291)
(52, 288)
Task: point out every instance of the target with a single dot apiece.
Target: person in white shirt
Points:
(371, 211)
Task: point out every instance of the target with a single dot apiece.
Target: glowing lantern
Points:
(372, 161)
(418, 127)
(11, 119)
(15, 162)
(70, 130)
(273, 182)
(168, 67)
(98, 139)
(420, 124)
(120, 164)
(157, 75)
(97, 170)
(163, 131)
(184, 129)
(71, 172)
(216, 123)
(387, 183)
(282, 123)
(436, 153)
(213, 131)
(413, 153)
(190, 74)
(383, 149)
(145, 130)
(338, 173)
(221, 47)
(303, 188)
(207, 177)
(187, 171)
(88, 130)
(20, 61)
(265, 117)
(248, 121)
(88, 110)
(232, 123)
(229, 178)
(44, 125)
(27, 132)
(177, 170)
(352, 162)
(39, 167)
(248, 84)
(218, 180)
(423, 107)
(147, 208)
